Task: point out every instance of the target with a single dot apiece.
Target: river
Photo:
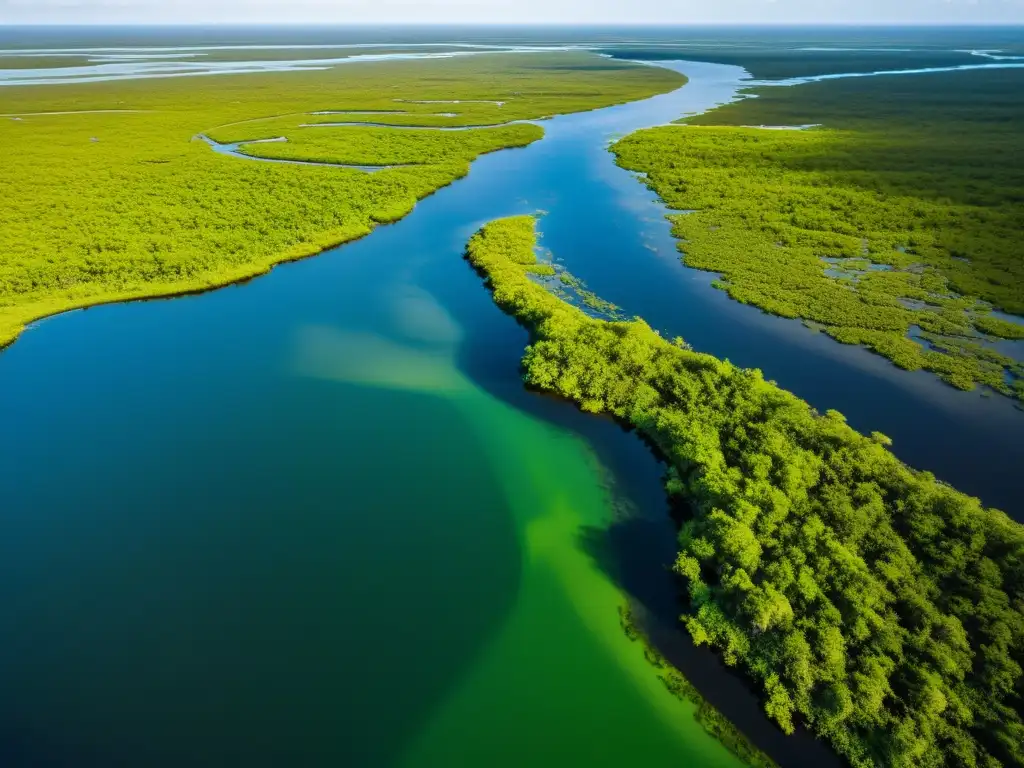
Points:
(315, 519)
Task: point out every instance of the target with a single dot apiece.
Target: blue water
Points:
(146, 67)
(203, 545)
(633, 262)
(217, 552)
(611, 232)
(147, 52)
(1011, 62)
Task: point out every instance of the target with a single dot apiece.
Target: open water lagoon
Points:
(315, 519)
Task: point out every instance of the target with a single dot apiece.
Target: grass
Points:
(383, 146)
(778, 62)
(41, 62)
(879, 607)
(903, 210)
(117, 206)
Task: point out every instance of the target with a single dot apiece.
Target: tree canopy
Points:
(874, 603)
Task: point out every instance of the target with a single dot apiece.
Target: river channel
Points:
(315, 519)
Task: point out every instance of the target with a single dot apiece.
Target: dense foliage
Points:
(904, 211)
(875, 604)
(774, 53)
(120, 204)
(383, 146)
(780, 61)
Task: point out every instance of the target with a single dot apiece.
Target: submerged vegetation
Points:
(878, 606)
(902, 213)
(709, 718)
(109, 197)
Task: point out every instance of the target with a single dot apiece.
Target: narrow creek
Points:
(234, 149)
(316, 519)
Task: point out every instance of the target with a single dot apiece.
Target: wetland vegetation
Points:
(871, 602)
(788, 52)
(778, 62)
(108, 206)
(902, 213)
(374, 145)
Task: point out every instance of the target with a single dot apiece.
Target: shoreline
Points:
(698, 408)
(260, 269)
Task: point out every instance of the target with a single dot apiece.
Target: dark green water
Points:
(315, 520)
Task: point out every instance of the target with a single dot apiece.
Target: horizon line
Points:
(568, 24)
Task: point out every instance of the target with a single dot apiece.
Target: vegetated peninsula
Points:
(894, 225)
(112, 197)
(877, 605)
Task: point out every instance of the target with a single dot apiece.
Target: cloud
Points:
(522, 11)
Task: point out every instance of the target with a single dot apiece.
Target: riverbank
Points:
(228, 592)
(116, 206)
(248, 578)
(710, 719)
(893, 227)
(854, 555)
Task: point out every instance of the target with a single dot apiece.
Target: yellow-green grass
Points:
(110, 206)
(41, 62)
(311, 54)
(388, 146)
(921, 177)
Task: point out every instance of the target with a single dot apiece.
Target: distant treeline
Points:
(781, 61)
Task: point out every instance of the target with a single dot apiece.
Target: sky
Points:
(514, 11)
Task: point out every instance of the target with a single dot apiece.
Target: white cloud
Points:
(521, 11)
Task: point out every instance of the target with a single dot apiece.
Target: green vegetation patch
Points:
(41, 62)
(878, 606)
(383, 146)
(769, 53)
(228, 53)
(118, 204)
(905, 211)
(785, 61)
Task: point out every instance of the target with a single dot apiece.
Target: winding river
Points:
(315, 519)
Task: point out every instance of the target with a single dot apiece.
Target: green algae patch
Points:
(558, 681)
(710, 719)
(109, 197)
(903, 210)
(872, 603)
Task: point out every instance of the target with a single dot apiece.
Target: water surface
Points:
(315, 519)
